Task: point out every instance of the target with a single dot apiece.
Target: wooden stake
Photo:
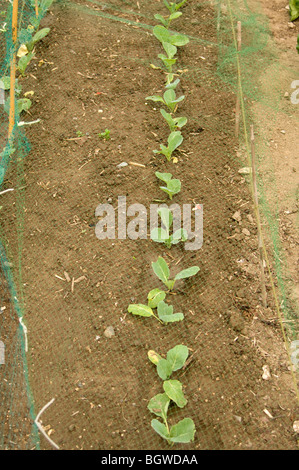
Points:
(259, 231)
(14, 26)
(239, 40)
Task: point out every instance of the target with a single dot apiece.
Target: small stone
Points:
(237, 216)
(266, 373)
(72, 428)
(286, 95)
(245, 171)
(109, 332)
(283, 132)
(122, 165)
(246, 232)
(296, 427)
(291, 25)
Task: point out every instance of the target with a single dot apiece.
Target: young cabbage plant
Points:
(173, 123)
(169, 99)
(174, 6)
(163, 35)
(173, 186)
(164, 313)
(174, 141)
(26, 50)
(166, 20)
(183, 431)
(161, 270)
(162, 234)
(175, 360)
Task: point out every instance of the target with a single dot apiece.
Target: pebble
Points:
(245, 171)
(122, 165)
(296, 427)
(237, 216)
(246, 232)
(266, 373)
(109, 332)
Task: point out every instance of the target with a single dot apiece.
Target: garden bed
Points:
(93, 72)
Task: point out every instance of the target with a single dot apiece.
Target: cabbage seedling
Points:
(173, 186)
(173, 123)
(175, 360)
(161, 270)
(173, 6)
(167, 20)
(164, 312)
(169, 99)
(161, 235)
(174, 141)
(183, 431)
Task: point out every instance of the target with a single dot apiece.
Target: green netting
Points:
(63, 359)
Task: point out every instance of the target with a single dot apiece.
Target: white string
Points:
(38, 424)
(6, 191)
(25, 333)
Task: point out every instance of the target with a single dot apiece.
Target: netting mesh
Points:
(64, 287)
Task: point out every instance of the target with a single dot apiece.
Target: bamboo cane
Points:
(239, 39)
(14, 26)
(256, 203)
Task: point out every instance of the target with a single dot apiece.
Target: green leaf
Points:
(179, 5)
(163, 176)
(174, 390)
(165, 313)
(174, 140)
(171, 100)
(164, 369)
(175, 15)
(40, 35)
(5, 83)
(175, 317)
(181, 121)
(166, 217)
(160, 428)
(294, 9)
(179, 235)
(161, 270)
(141, 310)
(168, 118)
(164, 309)
(177, 356)
(159, 235)
(23, 104)
(169, 49)
(163, 35)
(155, 98)
(159, 405)
(173, 186)
(179, 40)
(24, 61)
(183, 432)
(187, 273)
(173, 85)
(155, 296)
(161, 19)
